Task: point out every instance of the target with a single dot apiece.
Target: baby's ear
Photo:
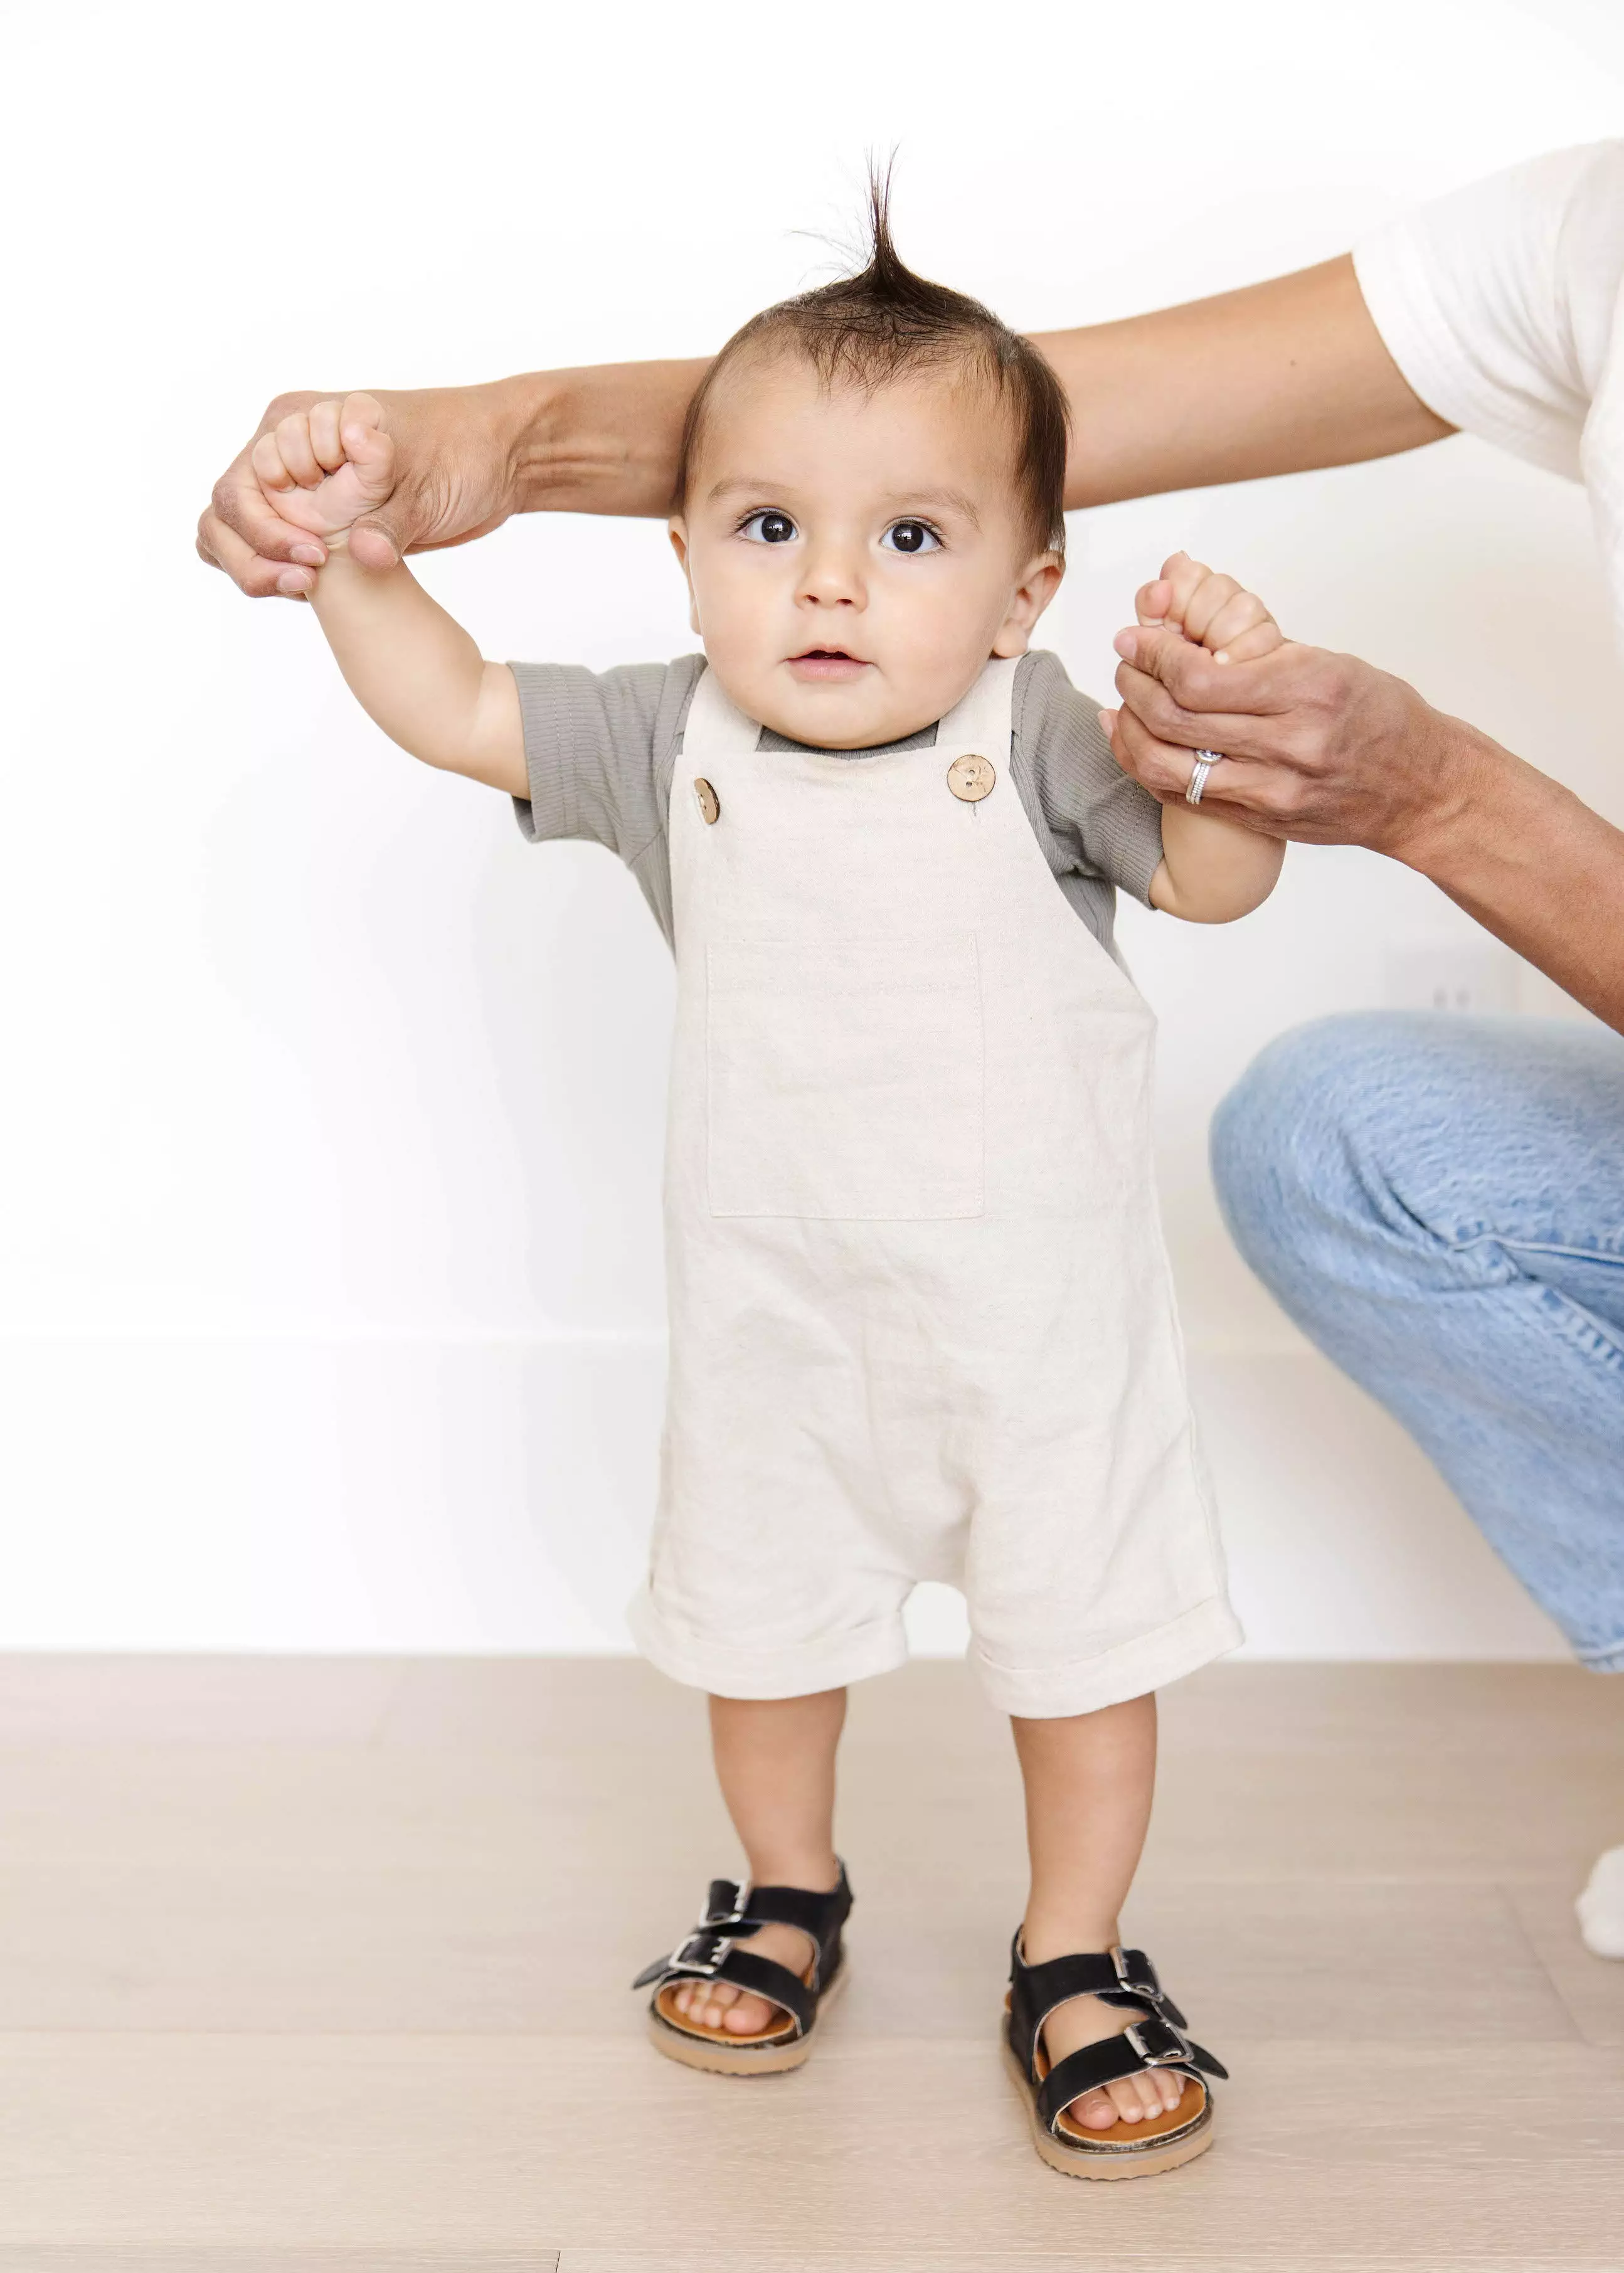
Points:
(676, 529)
(1039, 584)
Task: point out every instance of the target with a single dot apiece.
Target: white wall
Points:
(328, 1170)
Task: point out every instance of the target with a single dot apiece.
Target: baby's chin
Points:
(833, 712)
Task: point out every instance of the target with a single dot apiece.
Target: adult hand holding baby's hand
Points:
(1318, 748)
(323, 468)
(452, 481)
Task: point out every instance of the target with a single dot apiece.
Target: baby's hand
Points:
(323, 468)
(1232, 624)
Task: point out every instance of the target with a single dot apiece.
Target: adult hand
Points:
(455, 479)
(1316, 746)
(1328, 750)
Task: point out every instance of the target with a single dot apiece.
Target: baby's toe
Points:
(1171, 2086)
(1130, 2099)
(748, 2016)
(1094, 2111)
(715, 2004)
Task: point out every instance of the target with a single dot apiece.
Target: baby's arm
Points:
(413, 669)
(1212, 869)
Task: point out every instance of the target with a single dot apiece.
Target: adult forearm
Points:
(1532, 863)
(1271, 379)
(600, 439)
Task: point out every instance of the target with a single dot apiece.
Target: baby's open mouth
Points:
(826, 662)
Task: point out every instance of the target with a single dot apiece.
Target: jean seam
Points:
(1537, 1247)
(1582, 1329)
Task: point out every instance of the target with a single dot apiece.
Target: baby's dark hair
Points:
(869, 328)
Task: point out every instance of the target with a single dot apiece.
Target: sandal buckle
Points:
(734, 1916)
(684, 1957)
(1150, 1987)
(1158, 2043)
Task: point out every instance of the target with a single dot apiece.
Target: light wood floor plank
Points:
(47, 2258)
(491, 2143)
(771, 2260)
(1591, 1988)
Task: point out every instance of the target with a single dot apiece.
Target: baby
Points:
(922, 1323)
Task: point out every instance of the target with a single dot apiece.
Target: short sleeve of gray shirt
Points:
(600, 747)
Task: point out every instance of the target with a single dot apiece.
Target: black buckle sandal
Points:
(1126, 2150)
(733, 1911)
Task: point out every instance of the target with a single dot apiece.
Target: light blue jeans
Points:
(1438, 1202)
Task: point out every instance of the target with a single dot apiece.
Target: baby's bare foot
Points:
(1135, 2098)
(719, 2005)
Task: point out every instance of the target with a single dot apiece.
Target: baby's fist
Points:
(323, 467)
(1232, 624)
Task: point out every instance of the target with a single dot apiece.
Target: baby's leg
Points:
(775, 1762)
(1089, 1781)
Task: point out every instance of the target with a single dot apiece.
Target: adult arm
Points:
(602, 439)
(1326, 749)
(1268, 380)
(1274, 379)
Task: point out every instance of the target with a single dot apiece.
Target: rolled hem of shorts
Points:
(1133, 1668)
(1607, 1657)
(793, 1669)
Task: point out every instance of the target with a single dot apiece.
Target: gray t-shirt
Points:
(600, 747)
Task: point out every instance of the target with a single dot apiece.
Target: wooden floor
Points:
(320, 1967)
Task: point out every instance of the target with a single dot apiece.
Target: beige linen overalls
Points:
(921, 1320)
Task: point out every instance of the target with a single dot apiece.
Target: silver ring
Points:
(1205, 760)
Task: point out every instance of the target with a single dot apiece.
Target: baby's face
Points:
(854, 558)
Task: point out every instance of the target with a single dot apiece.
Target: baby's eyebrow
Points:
(753, 485)
(954, 501)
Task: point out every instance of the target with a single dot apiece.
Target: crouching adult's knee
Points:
(1299, 1150)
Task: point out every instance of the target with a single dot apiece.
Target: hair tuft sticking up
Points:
(868, 328)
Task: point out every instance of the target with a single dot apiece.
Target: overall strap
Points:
(714, 727)
(982, 722)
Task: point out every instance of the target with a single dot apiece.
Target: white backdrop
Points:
(329, 1164)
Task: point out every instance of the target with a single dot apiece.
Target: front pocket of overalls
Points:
(845, 1081)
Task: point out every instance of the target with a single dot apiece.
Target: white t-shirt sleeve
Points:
(1497, 303)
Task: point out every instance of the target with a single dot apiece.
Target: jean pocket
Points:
(845, 1080)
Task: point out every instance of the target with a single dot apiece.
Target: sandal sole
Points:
(715, 2058)
(1147, 2161)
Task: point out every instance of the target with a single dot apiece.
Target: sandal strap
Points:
(814, 1914)
(736, 1910)
(763, 1976)
(717, 1957)
(1122, 1977)
(1146, 2045)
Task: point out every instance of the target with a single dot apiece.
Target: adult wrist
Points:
(1465, 778)
(602, 439)
(526, 415)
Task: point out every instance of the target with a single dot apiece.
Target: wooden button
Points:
(710, 803)
(971, 777)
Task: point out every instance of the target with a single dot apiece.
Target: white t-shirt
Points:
(1501, 305)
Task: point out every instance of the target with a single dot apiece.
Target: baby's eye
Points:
(911, 536)
(769, 527)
